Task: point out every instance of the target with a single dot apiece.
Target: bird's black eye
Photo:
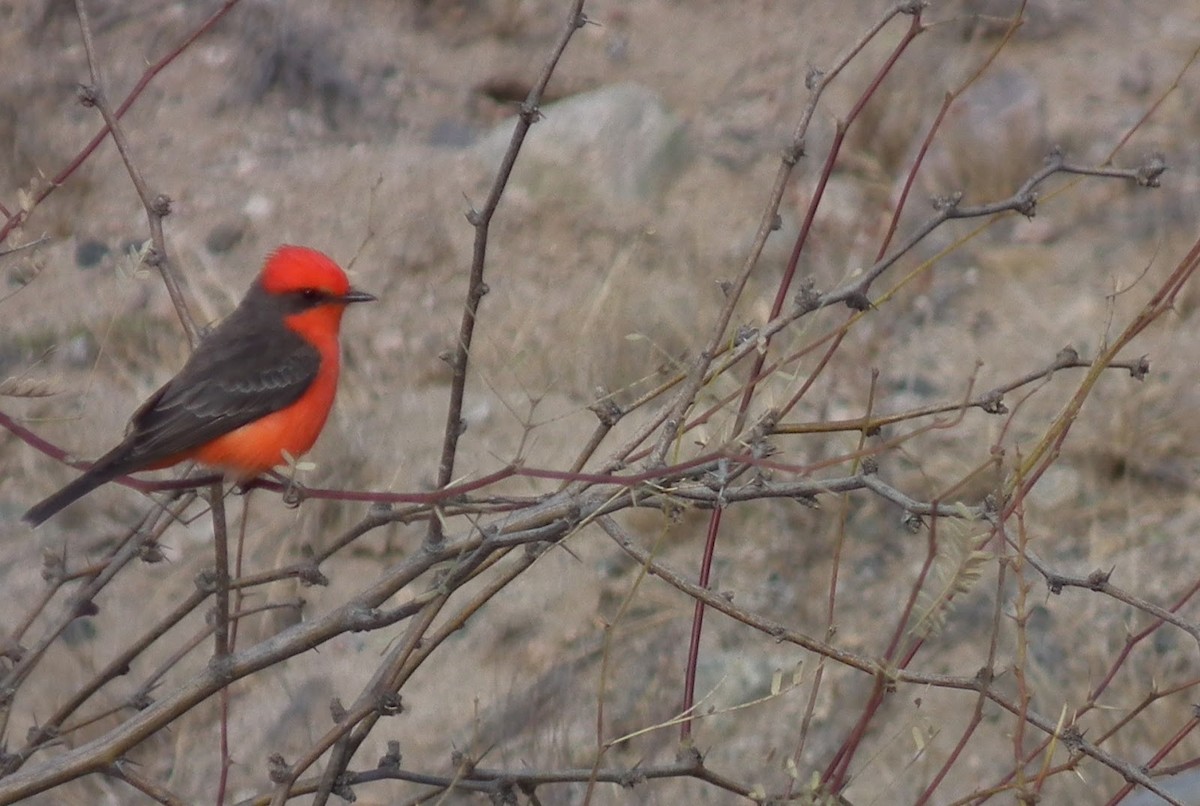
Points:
(312, 295)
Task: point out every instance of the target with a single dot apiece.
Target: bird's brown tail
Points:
(80, 487)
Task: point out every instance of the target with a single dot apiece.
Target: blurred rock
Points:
(224, 236)
(449, 133)
(994, 138)
(619, 143)
(79, 352)
(1184, 787)
(89, 253)
(300, 60)
(1042, 20)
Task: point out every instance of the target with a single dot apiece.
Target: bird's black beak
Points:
(354, 295)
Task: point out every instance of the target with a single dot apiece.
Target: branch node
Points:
(1027, 204)
(813, 77)
(88, 95)
(278, 770)
(759, 447)
(690, 755)
(221, 668)
(1098, 579)
(53, 568)
(808, 500)
(537, 549)
(40, 734)
(12, 651)
(793, 152)
(141, 700)
(361, 619)
(85, 607)
(530, 113)
(605, 408)
(993, 402)
(206, 580)
(858, 301)
(341, 788)
(390, 704)
(461, 762)
(948, 203)
(391, 760)
(311, 575)
(1072, 737)
(161, 205)
(151, 552)
(1140, 368)
(1066, 357)
(380, 509)
(1151, 170)
(631, 778)
(807, 299)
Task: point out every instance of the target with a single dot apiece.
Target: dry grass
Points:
(586, 294)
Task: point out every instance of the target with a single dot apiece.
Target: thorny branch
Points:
(432, 593)
(157, 206)
(481, 220)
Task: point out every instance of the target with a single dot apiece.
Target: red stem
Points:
(16, 219)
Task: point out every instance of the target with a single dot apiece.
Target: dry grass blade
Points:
(28, 387)
(880, 463)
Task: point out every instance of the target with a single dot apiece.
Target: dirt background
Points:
(367, 130)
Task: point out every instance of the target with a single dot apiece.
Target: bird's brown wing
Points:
(235, 376)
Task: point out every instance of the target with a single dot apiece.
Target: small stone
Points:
(619, 143)
(90, 252)
(224, 236)
(452, 134)
(258, 207)
(79, 352)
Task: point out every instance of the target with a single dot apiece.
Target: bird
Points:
(257, 388)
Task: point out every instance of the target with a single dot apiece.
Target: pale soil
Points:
(337, 124)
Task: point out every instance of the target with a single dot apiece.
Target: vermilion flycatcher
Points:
(259, 385)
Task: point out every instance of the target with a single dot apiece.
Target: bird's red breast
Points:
(304, 295)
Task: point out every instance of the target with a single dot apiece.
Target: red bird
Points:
(259, 385)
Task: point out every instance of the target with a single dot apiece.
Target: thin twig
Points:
(19, 217)
(481, 220)
(818, 82)
(157, 206)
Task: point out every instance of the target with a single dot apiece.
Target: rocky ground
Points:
(368, 129)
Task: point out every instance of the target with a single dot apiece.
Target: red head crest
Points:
(296, 268)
